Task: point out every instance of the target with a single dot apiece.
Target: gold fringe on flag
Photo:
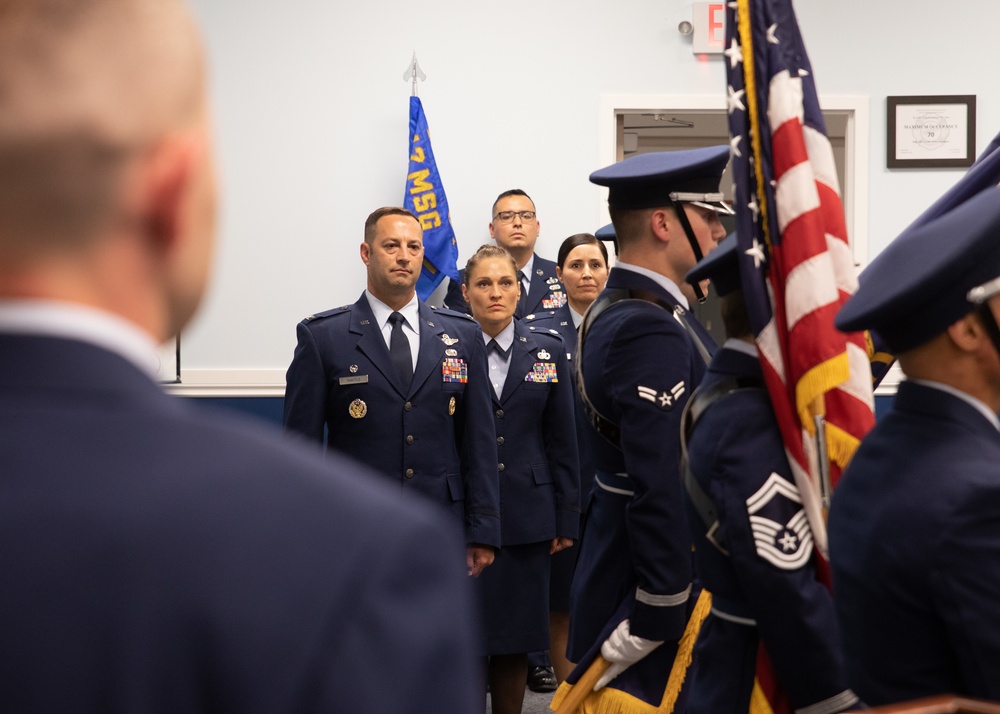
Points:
(615, 701)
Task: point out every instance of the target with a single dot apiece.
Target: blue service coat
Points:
(159, 558)
(435, 438)
(765, 588)
(545, 292)
(564, 562)
(639, 366)
(536, 442)
(915, 549)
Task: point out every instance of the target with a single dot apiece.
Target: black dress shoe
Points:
(541, 679)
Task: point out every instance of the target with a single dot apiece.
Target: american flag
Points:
(797, 269)
(797, 265)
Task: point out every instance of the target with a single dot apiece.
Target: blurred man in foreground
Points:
(155, 560)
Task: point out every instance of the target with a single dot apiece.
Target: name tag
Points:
(357, 379)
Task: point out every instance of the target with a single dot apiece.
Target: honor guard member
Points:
(401, 387)
(157, 558)
(582, 267)
(914, 533)
(753, 546)
(539, 473)
(640, 354)
(515, 226)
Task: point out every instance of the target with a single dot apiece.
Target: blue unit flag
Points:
(424, 195)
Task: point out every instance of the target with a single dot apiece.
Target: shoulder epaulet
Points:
(539, 315)
(452, 313)
(550, 333)
(342, 310)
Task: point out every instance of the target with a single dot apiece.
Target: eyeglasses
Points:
(508, 216)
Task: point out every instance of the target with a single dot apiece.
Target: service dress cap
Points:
(921, 283)
(721, 266)
(660, 178)
(606, 233)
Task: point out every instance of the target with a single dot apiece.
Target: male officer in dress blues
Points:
(753, 546)
(640, 355)
(914, 532)
(515, 226)
(156, 557)
(403, 388)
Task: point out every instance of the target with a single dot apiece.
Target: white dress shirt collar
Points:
(662, 280)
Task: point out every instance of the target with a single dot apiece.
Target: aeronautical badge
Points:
(454, 369)
(451, 406)
(781, 530)
(664, 400)
(448, 340)
(542, 354)
(358, 409)
(543, 371)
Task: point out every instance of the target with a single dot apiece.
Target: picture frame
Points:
(924, 132)
(169, 361)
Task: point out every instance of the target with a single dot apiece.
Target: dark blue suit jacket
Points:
(915, 549)
(536, 437)
(435, 438)
(545, 292)
(155, 558)
(639, 366)
(769, 576)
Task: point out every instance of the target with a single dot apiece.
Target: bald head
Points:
(85, 86)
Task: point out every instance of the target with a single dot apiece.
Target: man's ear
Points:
(168, 173)
(967, 333)
(660, 225)
(366, 252)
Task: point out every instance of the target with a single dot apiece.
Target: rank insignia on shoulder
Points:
(365, 322)
(543, 372)
(358, 409)
(454, 369)
(542, 354)
(780, 527)
(665, 400)
(448, 340)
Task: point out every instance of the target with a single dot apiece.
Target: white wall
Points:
(311, 124)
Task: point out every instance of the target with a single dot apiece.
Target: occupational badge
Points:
(358, 409)
(542, 354)
(451, 353)
(451, 406)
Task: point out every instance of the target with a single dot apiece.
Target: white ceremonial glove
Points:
(623, 650)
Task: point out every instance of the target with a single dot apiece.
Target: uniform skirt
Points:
(513, 597)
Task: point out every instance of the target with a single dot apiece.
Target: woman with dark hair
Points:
(539, 473)
(582, 267)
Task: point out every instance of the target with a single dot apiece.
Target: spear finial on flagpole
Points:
(413, 72)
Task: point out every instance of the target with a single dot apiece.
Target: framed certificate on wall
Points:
(931, 131)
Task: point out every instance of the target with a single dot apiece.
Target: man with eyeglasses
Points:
(914, 531)
(515, 227)
(640, 355)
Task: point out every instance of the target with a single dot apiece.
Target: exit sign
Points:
(709, 20)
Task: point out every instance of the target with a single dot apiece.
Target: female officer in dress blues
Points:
(582, 268)
(539, 474)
